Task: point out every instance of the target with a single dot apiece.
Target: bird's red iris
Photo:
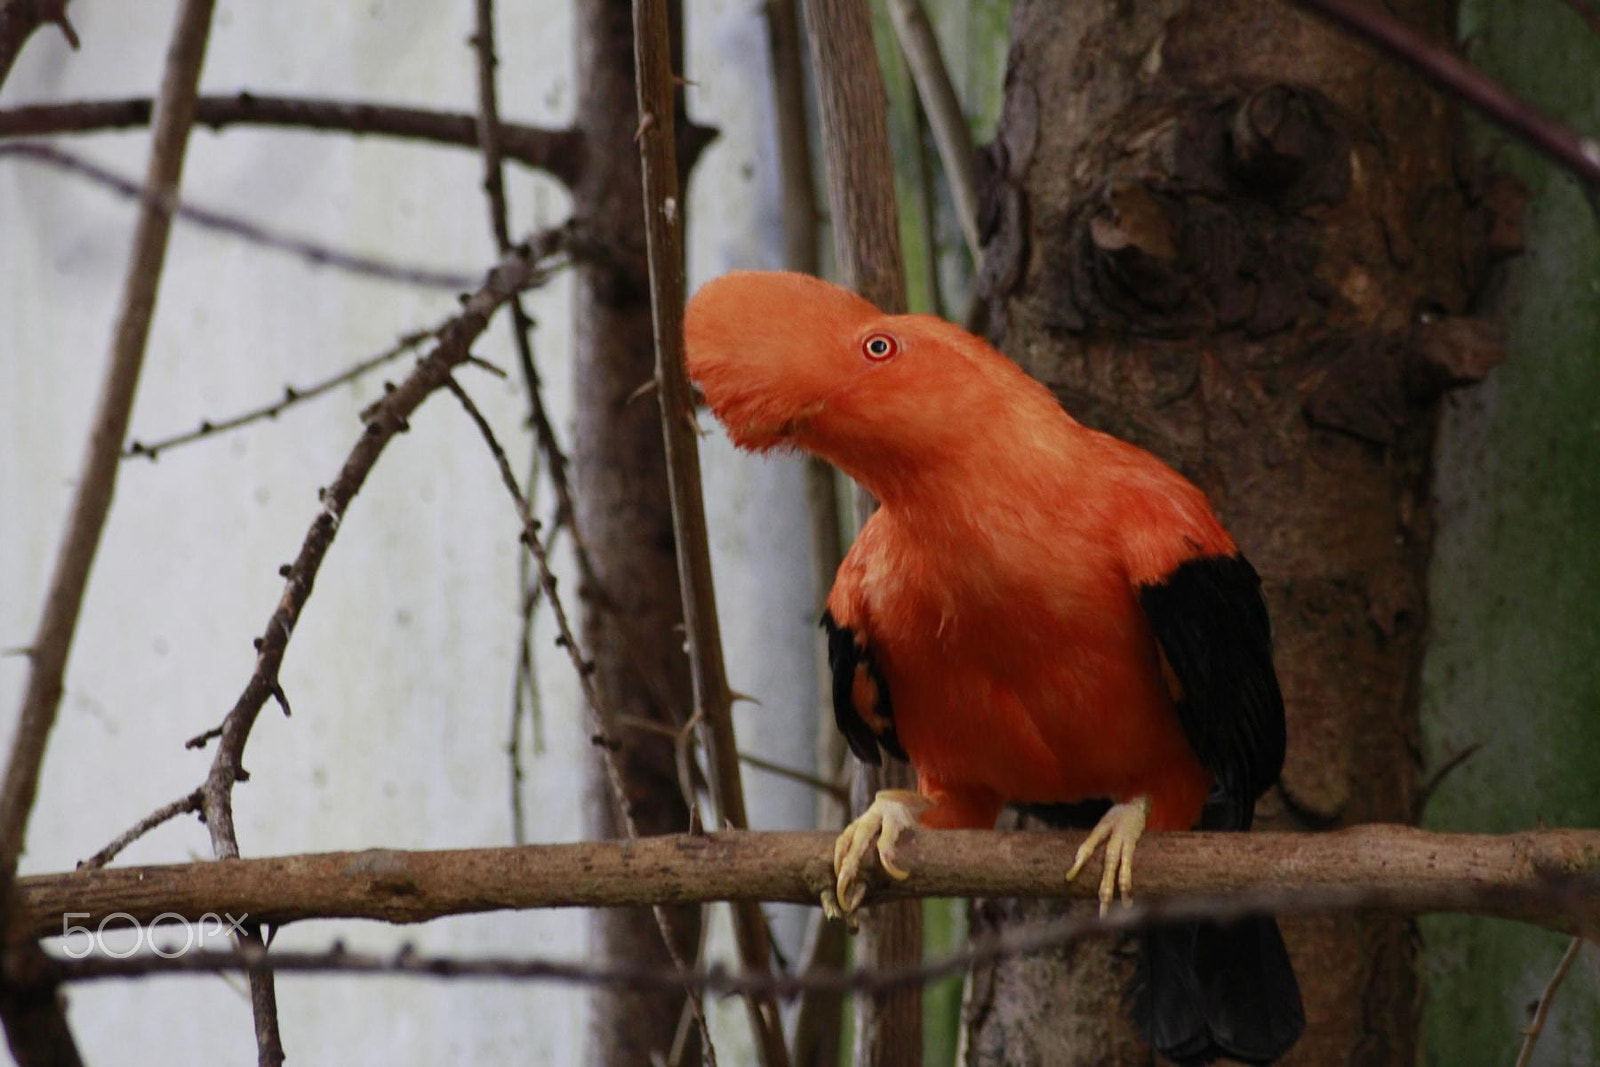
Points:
(880, 347)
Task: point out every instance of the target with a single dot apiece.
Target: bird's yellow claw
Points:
(1120, 829)
(891, 813)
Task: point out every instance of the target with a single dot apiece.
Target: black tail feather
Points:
(1202, 991)
(1207, 991)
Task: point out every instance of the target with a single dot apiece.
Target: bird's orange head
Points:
(790, 361)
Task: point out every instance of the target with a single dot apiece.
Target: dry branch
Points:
(663, 214)
(1547, 999)
(383, 420)
(600, 717)
(1398, 868)
(943, 108)
(556, 152)
(292, 395)
(35, 1023)
(18, 20)
(866, 236)
(1580, 155)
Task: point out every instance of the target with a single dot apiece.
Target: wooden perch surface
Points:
(1395, 868)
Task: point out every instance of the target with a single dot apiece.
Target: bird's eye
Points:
(879, 347)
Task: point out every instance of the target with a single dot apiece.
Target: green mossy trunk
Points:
(1513, 659)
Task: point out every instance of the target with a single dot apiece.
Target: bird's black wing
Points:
(1211, 623)
(861, 704)
(1201, 991)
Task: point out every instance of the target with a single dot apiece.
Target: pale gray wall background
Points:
(400, 671)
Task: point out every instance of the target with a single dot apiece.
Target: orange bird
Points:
(1037, 614)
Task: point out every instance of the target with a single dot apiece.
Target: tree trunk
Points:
(1231, 235)
(633, 621)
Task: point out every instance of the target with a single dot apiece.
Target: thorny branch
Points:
(384, 419)
(556, 152)
(663, 214)
(291, 396)
(525, 267)
(604, 736)
(1580, 155)
(490, 138)
(167, 204)
(18, 20)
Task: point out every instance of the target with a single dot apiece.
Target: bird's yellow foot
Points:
(1120, 829)
(891, 813)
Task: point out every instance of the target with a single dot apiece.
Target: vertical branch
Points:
(713, 702)
(855, 140)
(819, 1017)
(494, 189)
(943, 110)
(35, 1024)
(92, 502)
(489, 130)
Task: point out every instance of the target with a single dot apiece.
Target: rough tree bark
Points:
(1228, 233)
(633, 622)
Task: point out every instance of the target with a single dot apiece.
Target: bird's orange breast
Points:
(1037, 683)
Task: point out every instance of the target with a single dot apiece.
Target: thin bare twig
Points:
(1579, 155)
(604, 728)
(490, 137)
(292, 395)
(1012, 942)
(832, 789)
(943, 109)
(554, 151)
(1541, 1014)
(189, 802)
(92, 500)
(1425, 792)
(167, 204)
(663, 213)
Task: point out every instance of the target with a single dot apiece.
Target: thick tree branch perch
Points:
(1398, 868)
